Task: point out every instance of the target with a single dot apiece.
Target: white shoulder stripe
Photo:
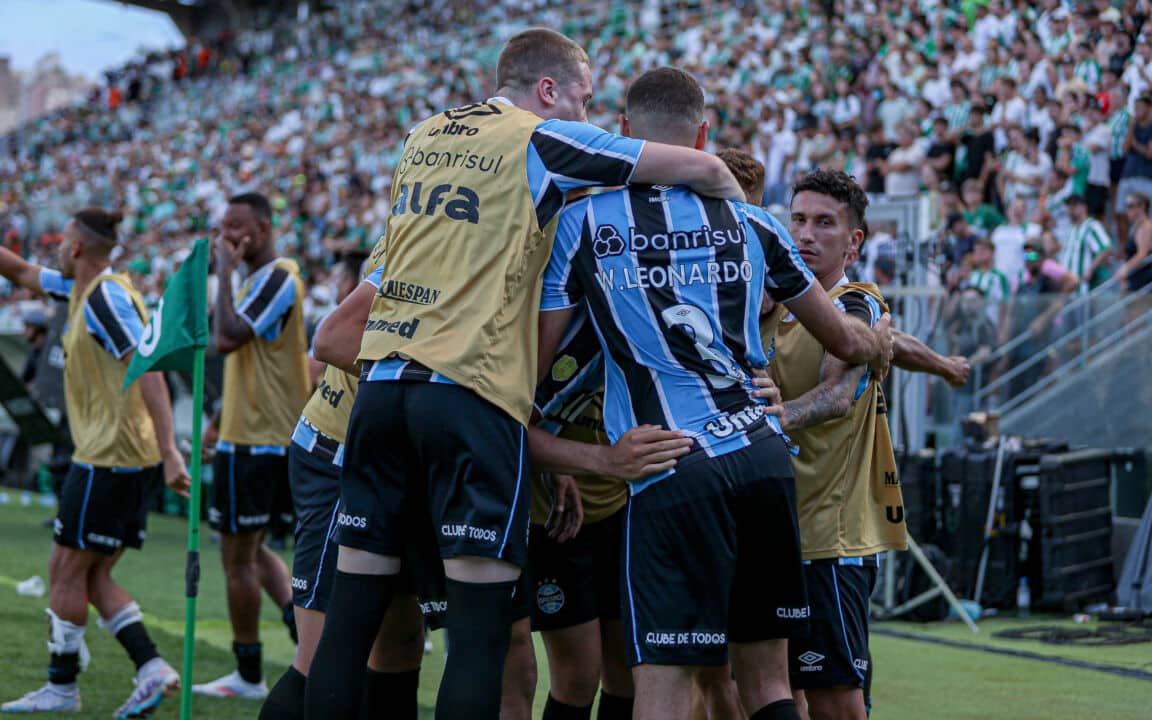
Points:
(585, 148)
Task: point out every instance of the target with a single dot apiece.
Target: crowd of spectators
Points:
(1028, 125)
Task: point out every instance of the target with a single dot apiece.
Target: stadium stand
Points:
(976, 106)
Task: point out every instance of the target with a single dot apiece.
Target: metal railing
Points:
(1077, 306)
(1092, 332)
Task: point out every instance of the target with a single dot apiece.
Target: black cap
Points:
(954, 218)
(1076, 199)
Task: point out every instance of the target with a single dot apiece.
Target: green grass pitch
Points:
(914, 681)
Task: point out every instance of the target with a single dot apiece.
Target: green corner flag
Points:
(180, 324)
(175, 340)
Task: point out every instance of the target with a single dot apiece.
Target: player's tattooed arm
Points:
(830, 399)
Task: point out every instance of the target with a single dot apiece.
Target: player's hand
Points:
(208, 443)
(958, 370)
(769, 392)
(176, 473)
(229, 255)
(567, 510)
(883, 361)
(645, 450)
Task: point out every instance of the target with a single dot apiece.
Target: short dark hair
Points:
(749, 172)
(536, 53)
(838, 185)
(664, 96)
(98, 226)
(259, 204)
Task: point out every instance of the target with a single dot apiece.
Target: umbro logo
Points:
(810, 659)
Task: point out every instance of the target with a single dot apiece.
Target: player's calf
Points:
(519, 685)
(392, 678)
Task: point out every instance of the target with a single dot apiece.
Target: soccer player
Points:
(266, 385)
(120, 437)
(449, 358)
(848, 497)
(673, 283)
(314, 460)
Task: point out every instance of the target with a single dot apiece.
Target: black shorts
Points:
(315, 479)
(1096, 197)
(105, 509)
(835, 651)
(250, 488)
(1116, 170)
(422, 571)
(579, 580)
(441, 447)
(712, 556)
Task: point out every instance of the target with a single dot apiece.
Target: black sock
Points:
(779, 710)
(63, 668)
(479, 631)
(614, 707)
(249, 659)
(556, 710)
(288, 615)
(390, 694)
(286, 700)
(135, 640)
(355, 610)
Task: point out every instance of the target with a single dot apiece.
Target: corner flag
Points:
(175, 340)
(180, 324)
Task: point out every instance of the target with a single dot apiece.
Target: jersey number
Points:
(692, 321)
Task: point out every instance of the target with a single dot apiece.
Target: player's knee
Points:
(242, 572)
(69, 568)
(574, 674)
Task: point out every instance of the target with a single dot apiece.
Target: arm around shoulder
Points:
(706, 174)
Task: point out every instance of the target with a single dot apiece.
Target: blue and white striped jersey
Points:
(673, 284)
(109, 315)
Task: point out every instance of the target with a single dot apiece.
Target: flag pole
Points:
(192, 566)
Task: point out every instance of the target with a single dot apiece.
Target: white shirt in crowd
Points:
(1019, 165)
(1098, 140)
(846, 109)
(1008, 241)
(1014, 110)
(904, 183)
